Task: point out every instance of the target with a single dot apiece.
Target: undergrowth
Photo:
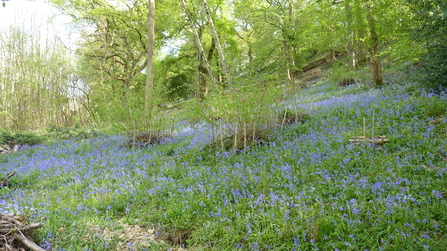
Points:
(305, 188)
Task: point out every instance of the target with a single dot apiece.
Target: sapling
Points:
(235, 136)
(245, 135)
(364, 130)
(221, 135)
(284, 119)
(372, 130)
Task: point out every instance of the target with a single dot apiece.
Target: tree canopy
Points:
(209, 46)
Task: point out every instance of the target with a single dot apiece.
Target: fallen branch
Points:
(14, 233)
(5, 181)
(31, 226)
(379, 140)
(28, 243)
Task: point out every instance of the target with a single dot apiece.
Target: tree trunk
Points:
(360, 33)
(287, 29)
(202, 87)
(150, 56)
(199, 43)
(219, 48)
(294, 56)
(375, 62)
(288, 60)
(351, 37)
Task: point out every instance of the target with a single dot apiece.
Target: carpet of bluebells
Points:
(306, 188)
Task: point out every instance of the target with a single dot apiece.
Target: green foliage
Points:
(177, 87)
(307, 189)
(20, 138)
(29, 101)
(431, 30)
(340, 72)
(4, 190)
(56, 132)
(434, 66)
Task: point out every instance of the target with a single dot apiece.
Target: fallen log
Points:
(10, 148)
(379, 140)
(146, 138)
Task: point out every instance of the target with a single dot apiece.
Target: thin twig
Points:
(372, 133)
(24, 228)
(8, 248)
(10, 175)
(245, 135)
(364, 129)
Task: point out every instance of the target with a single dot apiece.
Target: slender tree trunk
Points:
(360, 33)
(250, 55)
(202, 87)
(219, 48)
(288, 27)
(293, 48)
(150, 56)
(199, 43)
(288, 60)
(351, 37)
(376, 64)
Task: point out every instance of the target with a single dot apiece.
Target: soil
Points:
(130, 237)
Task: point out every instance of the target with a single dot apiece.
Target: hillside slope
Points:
(306, 188)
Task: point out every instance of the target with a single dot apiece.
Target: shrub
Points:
(6, 138)
(177, 87)
(430, 31)
(67, 133)
(434, 67)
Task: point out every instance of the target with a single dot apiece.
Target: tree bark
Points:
(351, 37)
(28, 243)
(375, 62)
(150, 56)
(287, 58)
(288, 28)
(199, 43)
(360, 33)
(219, 48)
(202, 87)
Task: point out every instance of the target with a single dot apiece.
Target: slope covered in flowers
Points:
(306, 189)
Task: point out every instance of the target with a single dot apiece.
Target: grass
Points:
(306, 188)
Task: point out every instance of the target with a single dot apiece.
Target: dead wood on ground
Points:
(15, 233)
